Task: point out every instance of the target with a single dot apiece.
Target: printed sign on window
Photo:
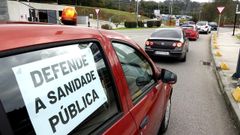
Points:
(60, 92)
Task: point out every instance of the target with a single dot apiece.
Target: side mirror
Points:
(168, 76)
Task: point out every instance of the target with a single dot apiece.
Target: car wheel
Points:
(184, 58)
(165, 121)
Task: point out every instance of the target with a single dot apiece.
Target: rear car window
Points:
(167, 33)
(212, 23)
(187, 27)
(201, 23)
(60, 90)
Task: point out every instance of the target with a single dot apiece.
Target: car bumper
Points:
(192, 36)
(165, 53)
(214, 28)
(202, 30)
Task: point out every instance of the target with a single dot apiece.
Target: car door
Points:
(93, 105)
(185, 40)
(147, 95)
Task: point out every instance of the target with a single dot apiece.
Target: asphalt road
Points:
(198, 107)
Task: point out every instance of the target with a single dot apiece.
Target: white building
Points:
(29, 11)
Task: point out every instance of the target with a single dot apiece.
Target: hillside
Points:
(115, 16)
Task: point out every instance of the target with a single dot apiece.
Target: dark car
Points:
(167, 42)
(71, 80)
(213, 25)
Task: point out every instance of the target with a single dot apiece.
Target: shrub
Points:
(106, 26)
(130, 24)
(154, 23)
(157, 23)
(140, 24)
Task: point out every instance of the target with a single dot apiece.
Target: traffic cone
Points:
(236, 94)
(224, 66)
(215, 46)
(218, 54)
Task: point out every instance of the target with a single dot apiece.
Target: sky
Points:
(191, 0)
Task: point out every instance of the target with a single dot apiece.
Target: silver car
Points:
(204, 27)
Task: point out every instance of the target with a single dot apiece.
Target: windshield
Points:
(167, 33)
(201, 23)
(212, 23)
(187, 27)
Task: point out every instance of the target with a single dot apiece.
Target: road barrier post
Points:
(236, 75)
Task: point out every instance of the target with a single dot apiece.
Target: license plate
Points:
(161, 53)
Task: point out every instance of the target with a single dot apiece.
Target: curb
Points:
(225, 90)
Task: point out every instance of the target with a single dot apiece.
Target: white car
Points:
(203, 26)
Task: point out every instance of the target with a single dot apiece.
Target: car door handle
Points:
(144, 122)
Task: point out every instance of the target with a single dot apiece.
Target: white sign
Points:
(60, 92)
(97, 10)
(220, 9)
(156, 13)
(177, 22)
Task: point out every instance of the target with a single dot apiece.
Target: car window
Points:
(60, 90)
(167, 33)
(136, 68)
(202, 23)
(187, 27)
(212, 23)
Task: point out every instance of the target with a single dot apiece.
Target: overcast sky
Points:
(191, 0)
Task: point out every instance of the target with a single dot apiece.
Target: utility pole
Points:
(235, 19)
(199, 17)
(137, 14)
(170, 21)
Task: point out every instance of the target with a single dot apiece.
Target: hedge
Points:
(140, 24)
(106, 26)
(130, 24)
(154, 23)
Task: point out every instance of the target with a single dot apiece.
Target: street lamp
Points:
(199, 17)
(137, 14)
(235, 18)
(171, 4)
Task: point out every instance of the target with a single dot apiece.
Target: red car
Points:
(191, 31)
(71, 80)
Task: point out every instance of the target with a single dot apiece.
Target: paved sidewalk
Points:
(228, 46)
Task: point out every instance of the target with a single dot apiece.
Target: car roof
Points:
(202, 22)
(212, 22)
(24, 35)
(186, 25)
(176, 29)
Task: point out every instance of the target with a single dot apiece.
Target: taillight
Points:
(174, 44)
(177, 44)
(148, 43)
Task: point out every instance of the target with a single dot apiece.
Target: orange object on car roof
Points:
(69, 16)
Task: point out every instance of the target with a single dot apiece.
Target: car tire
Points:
(184, 58)
(166, 118)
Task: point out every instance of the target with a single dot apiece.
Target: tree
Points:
(210, 13)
